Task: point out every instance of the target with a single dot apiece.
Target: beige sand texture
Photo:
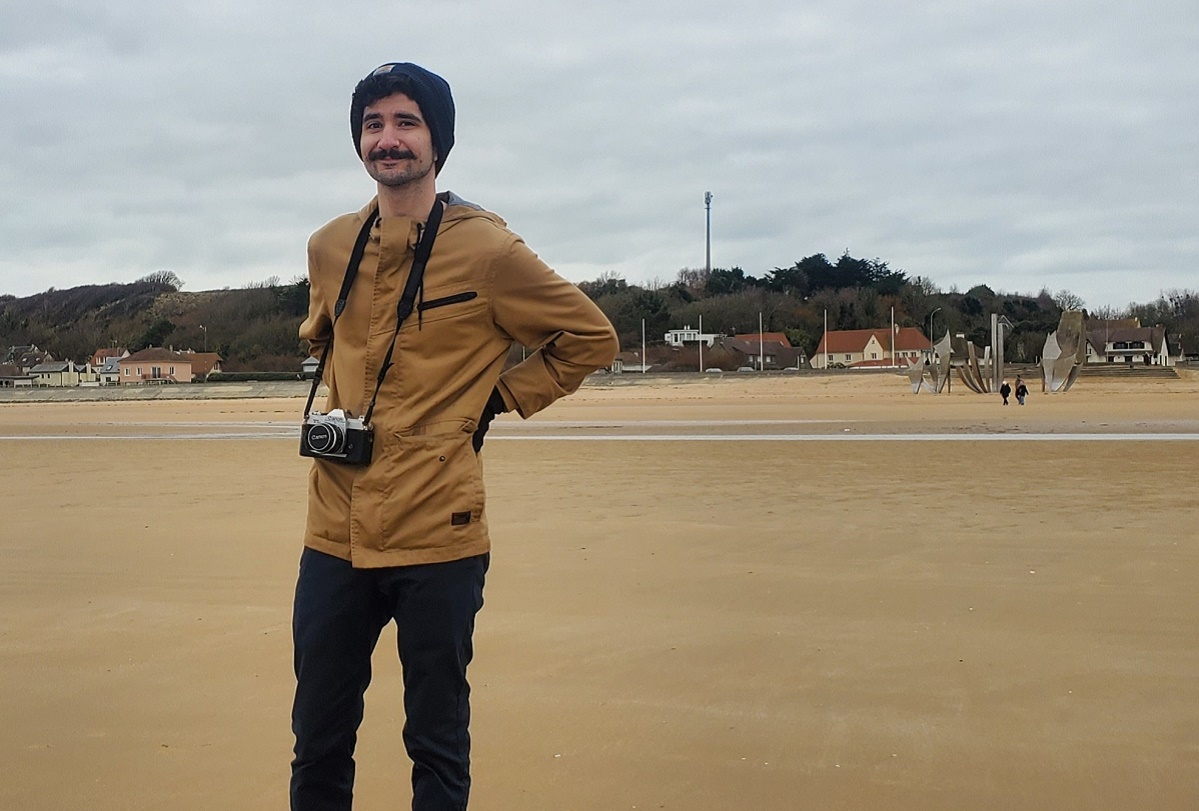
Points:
(699, 622)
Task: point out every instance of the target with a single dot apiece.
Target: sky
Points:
(1049, 144)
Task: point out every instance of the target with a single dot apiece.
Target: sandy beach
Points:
(714, 593)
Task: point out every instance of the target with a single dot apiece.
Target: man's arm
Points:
(317, 327)
(541, 310)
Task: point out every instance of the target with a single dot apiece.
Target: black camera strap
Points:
(424, 248)
(416, 278)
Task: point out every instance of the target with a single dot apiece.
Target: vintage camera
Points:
(336, 437)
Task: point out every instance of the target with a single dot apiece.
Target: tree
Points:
(156, 335)
(721, 282)
(627, 308)
(924, 286)
(692, 280)
(1065, 300)
(885, 281)
(801, 339)
(792, 280)
(166, 278)
(818, 271)
(292, 299)
(608, 283)
(1178, 312)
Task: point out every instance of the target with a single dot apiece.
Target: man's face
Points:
(397, 147)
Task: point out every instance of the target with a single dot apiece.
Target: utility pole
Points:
(708, 232)
(761, 345)
(931, 342)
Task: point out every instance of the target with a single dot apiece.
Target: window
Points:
(128, 371)
(848, 356)
(874, 356)
(172, 371)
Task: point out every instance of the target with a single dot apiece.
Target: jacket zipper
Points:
(457, 298)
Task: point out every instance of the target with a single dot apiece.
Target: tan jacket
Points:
(421, 498)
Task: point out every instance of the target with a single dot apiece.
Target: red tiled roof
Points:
(156, 353)
(108, 352)
(753, 347)
(202, 362)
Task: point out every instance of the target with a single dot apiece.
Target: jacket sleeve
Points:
(541, 310)
(317, 327)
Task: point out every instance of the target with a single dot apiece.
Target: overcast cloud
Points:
(1018, 144)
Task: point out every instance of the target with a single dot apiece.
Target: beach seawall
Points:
(189, 391)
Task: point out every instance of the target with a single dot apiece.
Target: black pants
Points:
(338, 614)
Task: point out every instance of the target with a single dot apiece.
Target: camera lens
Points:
(324, 438)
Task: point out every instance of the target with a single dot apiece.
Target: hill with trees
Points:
(254, 328)
(859, 294)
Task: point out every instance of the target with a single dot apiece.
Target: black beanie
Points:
(430, 92)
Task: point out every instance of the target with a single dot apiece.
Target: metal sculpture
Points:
(1064, 353)
(920, 376)
(976, 373)
(932, 375)
(981, 370)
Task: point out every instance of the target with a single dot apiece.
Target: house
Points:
(766, 350)
(102, 355)
(25, 357)
(1126, 341)
(155, 365)
(870, 348)
(678, 337)
(13, 377)
(630, 361)
(109, 374)
(308, 367)
(203, 364)
(56, 374)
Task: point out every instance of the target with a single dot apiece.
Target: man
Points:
(404, 536)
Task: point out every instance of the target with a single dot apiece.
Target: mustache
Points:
(395, 154)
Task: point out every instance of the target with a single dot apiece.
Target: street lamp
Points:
(931, 342)
(205, 329)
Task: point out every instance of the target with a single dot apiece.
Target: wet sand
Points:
(677, 622)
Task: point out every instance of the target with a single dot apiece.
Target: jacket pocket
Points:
(446, 305)
(432, 487)
(457, 298)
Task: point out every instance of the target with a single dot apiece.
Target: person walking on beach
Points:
(1005, 391)
(1021, 390)
(415, 301)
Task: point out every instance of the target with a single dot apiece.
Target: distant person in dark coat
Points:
(1005, 391)
(1021, 390)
